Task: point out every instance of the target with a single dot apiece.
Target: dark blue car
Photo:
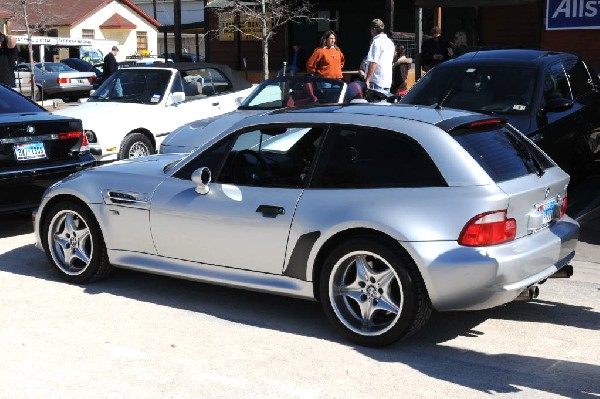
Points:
(553, 98)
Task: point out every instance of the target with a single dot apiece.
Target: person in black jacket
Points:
(8, 59)
(435, 49)
(110, 63)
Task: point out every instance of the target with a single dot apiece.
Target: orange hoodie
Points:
(326, 62)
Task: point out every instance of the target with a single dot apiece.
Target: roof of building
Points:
(72, 12)
(117, 22)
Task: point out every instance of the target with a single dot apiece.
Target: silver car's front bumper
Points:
(464, 278)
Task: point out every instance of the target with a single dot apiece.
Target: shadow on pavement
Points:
(488, 373)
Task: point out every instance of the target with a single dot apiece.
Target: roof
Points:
(117, 22)
(513, 56)
(73, 12)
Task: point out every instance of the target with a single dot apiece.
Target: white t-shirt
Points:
(382, 52)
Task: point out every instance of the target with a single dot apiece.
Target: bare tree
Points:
(270, 15)
(37, 16)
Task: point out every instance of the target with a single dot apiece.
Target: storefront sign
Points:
(251, 28)
(573, 14)
(54, 41)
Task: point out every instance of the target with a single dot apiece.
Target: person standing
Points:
(380, 59)
(8, 59)
(328, 60)
(110, 65)
(400, 70)
(435, 49)
(459, 45)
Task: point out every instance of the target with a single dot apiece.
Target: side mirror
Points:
(201, 177)
(177, 97)
(558, 105)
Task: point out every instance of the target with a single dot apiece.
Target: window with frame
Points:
(87, 33)
(142, 41)
(556, 84)
(262, 157)
(363, 157)
(581, 81)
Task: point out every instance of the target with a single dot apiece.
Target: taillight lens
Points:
(563, 206)
(62, 81)
(488, 228)
(92, 79)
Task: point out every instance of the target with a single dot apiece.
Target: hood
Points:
(91, 112)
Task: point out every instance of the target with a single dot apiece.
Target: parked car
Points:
(187, 57)
(135, 109)
(382, 213)
(553, 98)
(57, 80)
(36, 150)
(144, 61)
(84, 66)
(275, 93)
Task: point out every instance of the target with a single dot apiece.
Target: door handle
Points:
(215, 104)
(270, 210)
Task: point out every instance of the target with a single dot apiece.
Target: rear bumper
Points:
(463, 278)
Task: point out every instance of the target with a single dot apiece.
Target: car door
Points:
(558, 127)
(244, 220)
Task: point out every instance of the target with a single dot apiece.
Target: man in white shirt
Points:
(380, 59)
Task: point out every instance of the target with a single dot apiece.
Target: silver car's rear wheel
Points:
(73, 243)
(365, 293)
(372, 291)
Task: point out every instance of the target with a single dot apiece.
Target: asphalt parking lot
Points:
(135, 335)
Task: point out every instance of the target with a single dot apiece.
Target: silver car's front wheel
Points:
(73, 243)
(373, 292)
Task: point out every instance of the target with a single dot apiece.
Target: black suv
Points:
(553, 98)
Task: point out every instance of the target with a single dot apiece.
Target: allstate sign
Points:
(573, 14)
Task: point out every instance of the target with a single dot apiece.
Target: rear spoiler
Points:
(469, 122)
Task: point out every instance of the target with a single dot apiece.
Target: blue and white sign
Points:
(573, 14)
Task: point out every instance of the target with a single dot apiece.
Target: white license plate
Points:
(82, 81)
(27, 151)
(546, 209)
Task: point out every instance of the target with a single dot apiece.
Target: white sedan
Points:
(136, 108)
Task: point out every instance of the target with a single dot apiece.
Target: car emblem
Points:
(30, 129)
(547, 192)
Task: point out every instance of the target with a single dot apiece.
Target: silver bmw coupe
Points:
(381, 213)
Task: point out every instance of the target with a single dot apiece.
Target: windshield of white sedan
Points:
(134, 85)
(487, 89)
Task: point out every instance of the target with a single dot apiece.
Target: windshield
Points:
(146, 86)
(294, 91)
(498, 89)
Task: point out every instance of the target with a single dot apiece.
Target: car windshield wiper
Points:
(531, 162)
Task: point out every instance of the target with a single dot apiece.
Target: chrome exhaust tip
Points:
(528, 293)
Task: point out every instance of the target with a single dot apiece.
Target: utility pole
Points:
(177, 29)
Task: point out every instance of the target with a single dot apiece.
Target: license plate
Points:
(82, 81)
(546, 208)
(27, 151)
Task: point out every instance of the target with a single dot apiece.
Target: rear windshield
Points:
(503, 153)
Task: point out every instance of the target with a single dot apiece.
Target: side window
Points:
(358, 157)
(272, 157)
(211, 158)
(555, 83)
(581, 81)
(204, 82)
(177, 84)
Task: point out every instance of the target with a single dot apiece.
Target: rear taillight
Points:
(488, 228)
(92, 79)
(563, 206)
(85, 145)
(69, 135)
(63, 81)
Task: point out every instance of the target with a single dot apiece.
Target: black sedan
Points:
(553, 98)
(36, 150)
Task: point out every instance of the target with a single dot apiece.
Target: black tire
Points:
(390, 291)
(70, 99)
(135, 145)
(74, 243)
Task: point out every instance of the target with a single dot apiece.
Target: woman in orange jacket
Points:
(327, 61)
